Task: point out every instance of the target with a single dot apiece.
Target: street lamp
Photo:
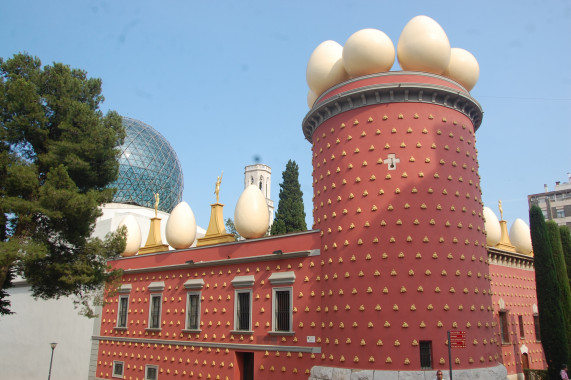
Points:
(53, 346)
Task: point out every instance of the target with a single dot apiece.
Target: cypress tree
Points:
(561, 270)
(290, 216)
(566, 246)
(551, 322)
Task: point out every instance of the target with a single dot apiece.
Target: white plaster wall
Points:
(25, 339)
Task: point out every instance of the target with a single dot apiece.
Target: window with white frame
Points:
(193, 311)
(122, 311)
(282, 309)
(282, 301)
(243, 302)
(155, 311)
(243, 307)
(155, 304)
(151, 372)
(118, 368)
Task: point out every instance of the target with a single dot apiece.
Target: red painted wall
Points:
(217, 313)
(402, 233)
(516, 286)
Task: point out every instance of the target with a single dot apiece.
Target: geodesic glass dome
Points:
(148, 165)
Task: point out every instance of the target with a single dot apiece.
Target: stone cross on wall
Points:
(392, 161)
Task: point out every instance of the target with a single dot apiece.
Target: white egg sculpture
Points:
(368, 51)
(251, 215)
(520, 237)
(325, 67)
(492, 227)
(181, 227)
(463, 68)
(311, 98)
(423, 46)
(133, 239)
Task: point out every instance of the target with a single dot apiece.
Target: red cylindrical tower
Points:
(397, 199)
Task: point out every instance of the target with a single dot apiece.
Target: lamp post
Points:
(53, 346)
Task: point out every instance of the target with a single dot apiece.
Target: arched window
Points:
(251, 180)
(261, 182)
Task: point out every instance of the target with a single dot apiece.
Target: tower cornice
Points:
(402, 87)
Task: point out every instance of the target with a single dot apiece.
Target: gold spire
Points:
(216, 232)
(154, 241)
(505, 242)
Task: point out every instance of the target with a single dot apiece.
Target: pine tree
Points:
(57, 157)
(561, 270)
(551, 321)
(290, 216)
(566, 246)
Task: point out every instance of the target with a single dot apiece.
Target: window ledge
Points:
(192, 330)
(285, 333)
(506, 344)
(120, 328)
(242, 332)
(153, 329)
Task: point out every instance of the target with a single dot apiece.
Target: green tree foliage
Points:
(551, 320)
(231, 228)
(58, 155)
(290, 216)
(566, 246)
(561, 271)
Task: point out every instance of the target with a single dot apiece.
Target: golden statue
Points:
(217, 188)
(157, 200)
(501, 210)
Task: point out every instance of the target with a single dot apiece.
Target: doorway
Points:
(245, 361)
(524, 361)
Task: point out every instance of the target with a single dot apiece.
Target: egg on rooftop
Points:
(423, 46)
(251, 215)
(325, 67)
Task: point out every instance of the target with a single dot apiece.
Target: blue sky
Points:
(224, 81)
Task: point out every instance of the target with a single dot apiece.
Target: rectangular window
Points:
(193, 311)
(243, 309)
(122, 311)
(282, 309)
(504, 326)
(118, 369)
(521, 329)
(536, 325)
(560, 213)
(426, 354)
(155, 312)
(151, 372)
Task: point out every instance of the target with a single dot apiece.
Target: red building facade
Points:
(397, 258)
(516, 314)
(218, 315)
